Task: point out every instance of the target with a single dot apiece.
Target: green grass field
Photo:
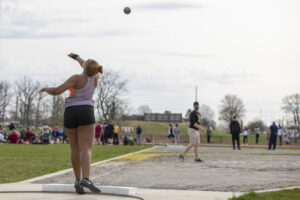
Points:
(21, 162)
(160, 128)
(160, 131)
(279, 195)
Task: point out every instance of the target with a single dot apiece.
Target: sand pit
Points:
(223, 170)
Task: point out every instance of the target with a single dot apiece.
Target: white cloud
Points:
(164, 49)
(167, 5)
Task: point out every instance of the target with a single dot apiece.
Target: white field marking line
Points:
(104, 189)
(107, 173)
(277, 189)
(119, 168)
(71, 169)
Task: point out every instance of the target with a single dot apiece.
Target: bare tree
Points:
(15, 111)
(110, 102)
(206, 112)
(45, 110)
(27, 89)
(207, 116)
(257, 123)
(231, 106)
(4, 98)
(291, 105)
(144, 109)
(57, 109)
(38, 118)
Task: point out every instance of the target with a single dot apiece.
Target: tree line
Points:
(20, 101)
(232, 105)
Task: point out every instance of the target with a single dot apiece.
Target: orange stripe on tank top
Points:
(72, 90)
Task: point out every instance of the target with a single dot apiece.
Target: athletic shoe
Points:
(79, 188)
(198, 160)
(89, 184)
(181, 158)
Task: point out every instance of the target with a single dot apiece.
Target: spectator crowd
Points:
(42, 135)
(105, 134)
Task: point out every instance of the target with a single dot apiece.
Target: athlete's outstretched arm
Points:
(70, 83)
(77, 58)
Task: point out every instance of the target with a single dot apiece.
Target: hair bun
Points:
(100, 69)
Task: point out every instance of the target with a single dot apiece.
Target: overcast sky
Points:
(164, 48)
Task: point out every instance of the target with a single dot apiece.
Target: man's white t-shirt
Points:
(246, 132)
(280, 132)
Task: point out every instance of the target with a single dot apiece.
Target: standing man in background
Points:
(208, 134)
(272, 135)
(138, 134)
(280, 133)
(245, 134)
(177, 134)
(103, 133)
(257, 132)
(108, 133)
(235, 130)
(171, 133)
(194, 132)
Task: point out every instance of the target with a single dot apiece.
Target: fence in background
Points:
(163, 139)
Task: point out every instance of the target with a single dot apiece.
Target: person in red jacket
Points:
(14, 137)
(98, 132)
(30, 134)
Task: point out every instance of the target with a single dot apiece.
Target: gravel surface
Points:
(223, 170)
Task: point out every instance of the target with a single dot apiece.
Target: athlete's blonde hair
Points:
(92, 67)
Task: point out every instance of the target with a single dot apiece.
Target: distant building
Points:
(163, 117)
(133, 117)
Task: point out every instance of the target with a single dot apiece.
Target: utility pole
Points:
(260, 115)
(196, 93)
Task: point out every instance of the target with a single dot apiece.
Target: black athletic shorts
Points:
(75, 116)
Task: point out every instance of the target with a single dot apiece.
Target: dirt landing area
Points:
(223, 170)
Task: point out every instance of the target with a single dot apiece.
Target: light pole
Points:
(196, 93)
